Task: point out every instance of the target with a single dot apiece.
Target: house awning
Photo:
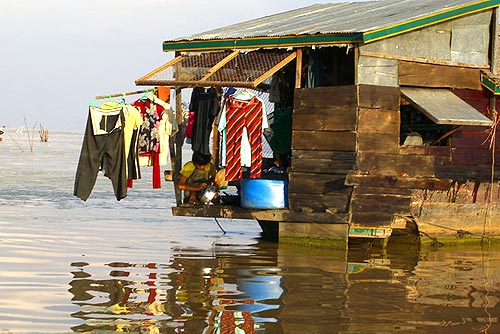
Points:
(219, 69)
(444, 107)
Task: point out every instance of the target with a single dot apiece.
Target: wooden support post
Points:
(298, 67)
(177, 162)
(215, 131)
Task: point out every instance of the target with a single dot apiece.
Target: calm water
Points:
(103, 266)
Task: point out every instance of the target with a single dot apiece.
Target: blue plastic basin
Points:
(264, 194)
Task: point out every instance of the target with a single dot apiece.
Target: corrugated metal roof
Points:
(347, 17)
(343, 18)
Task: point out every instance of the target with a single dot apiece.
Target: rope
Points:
(492, 139)
(219, 225)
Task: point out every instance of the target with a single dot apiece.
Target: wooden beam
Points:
(419, 60)
(161, 68)
(190, 84)
(298, 69)
(274, 69)
(393, 181)
(219, 65)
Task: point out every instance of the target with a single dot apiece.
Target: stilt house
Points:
(393, 114)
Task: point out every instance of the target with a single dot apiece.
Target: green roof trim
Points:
(261, 42)
(490, 84)
(429, 20)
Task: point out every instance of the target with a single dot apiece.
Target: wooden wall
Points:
(388, 174)
(375, 198)
(323, 148)
(346, 155)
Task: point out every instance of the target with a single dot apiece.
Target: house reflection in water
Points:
(286, 289)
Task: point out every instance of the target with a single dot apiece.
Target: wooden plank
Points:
(387, 203)
(379, 97)
(322, 97)
(420, 60)
(429, 75)
(437, 151)
(324, 140)
(392, 181)
(319, 184)
(326, 166)
(322, 119)
(395, 164)
(371, 219)
(348, 157)
(362, 190)
(378, 142)
(318, 203)
(464, 173)
(328, 109)
(233, 212)
(335, 162)
(379, 121)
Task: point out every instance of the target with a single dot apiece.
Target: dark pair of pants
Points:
(104, 152)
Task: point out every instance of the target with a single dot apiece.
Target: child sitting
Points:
(195, 176)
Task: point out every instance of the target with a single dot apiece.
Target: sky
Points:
(57, 55)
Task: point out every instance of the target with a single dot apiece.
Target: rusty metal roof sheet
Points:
(457, 112)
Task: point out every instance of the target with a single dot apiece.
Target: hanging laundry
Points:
(133, 122)
(159, 123)
(205, 105)
(103, 148)
(163, 93)
(189, 127)
(243, 127)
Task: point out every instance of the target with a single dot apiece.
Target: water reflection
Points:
(286, 289)
(194, 293)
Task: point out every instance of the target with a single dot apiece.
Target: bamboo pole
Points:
(100, 97)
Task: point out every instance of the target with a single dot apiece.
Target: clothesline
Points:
(100, 97)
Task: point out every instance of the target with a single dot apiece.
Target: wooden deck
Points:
(281, 215)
